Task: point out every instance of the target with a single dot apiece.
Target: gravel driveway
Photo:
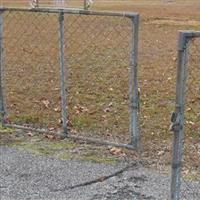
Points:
(27, 176)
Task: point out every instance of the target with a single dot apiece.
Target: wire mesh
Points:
(192, 123)
(31, 69)
(97, 58)
(193, 89)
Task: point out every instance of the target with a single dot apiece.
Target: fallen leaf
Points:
(60, 121)
(57, 109)
(73, 131)
(46, 103)
(106, 110)
(48, 136)
(103, 116)
(190, 122)
(117, 151)
(174, 58)
(110, 104)
(111, 89)
(30, 134)
(188, 109)
(51, 129)
(80, 109)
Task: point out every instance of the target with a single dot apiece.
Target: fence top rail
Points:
(71, 11)
(190, 33)
(184, 35)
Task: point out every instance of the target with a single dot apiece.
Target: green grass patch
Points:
(4, 129)
(95, 157)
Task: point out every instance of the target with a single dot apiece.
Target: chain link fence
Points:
(79, 63)
(75, 72)
(187, 99)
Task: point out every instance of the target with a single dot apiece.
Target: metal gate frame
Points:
(133, 82)
(177, 118)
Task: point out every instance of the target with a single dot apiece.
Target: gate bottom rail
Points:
(73, 137)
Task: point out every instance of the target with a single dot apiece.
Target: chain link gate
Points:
(50, 58)
(188, 101)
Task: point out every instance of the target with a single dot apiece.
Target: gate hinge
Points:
(176, 122)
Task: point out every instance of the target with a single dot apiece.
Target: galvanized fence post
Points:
(62, 73)
(178, 117)
(133, 85)
(2, 105)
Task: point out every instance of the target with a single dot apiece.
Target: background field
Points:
(100, 105)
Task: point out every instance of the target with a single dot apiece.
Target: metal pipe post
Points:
(2, 103)
(178, 118)
(62, 73)
(133, 85)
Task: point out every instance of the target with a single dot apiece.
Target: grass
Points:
(91, 156)
(5, 130)
(64, 150)
(97, 72)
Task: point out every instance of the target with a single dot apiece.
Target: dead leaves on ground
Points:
(117, 151)
(50, 137)
(80, 109)
(46, 103)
